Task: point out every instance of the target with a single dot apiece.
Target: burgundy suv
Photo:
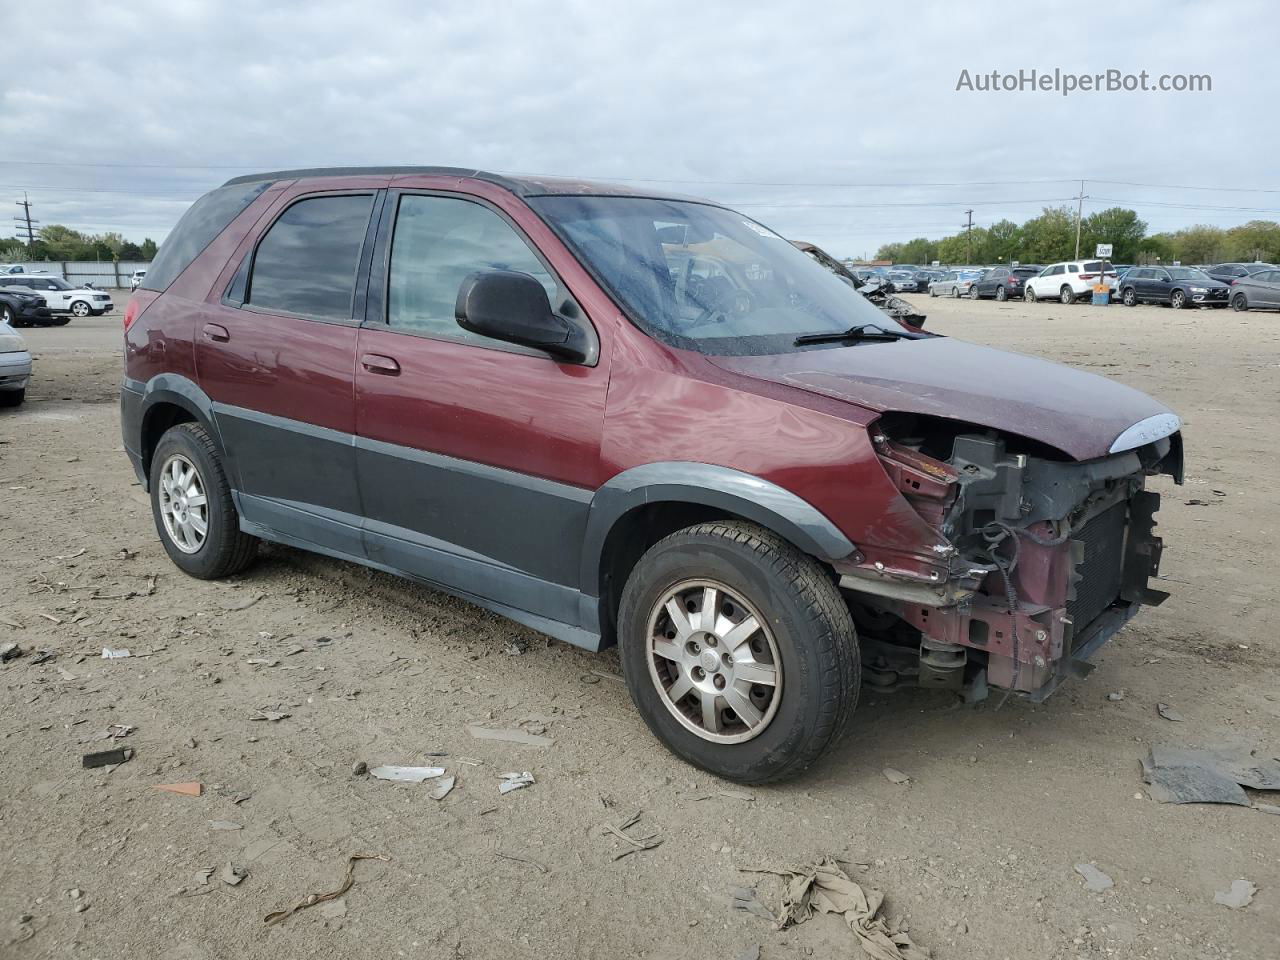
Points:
(619, 417)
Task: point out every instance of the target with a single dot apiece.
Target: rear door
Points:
(1265, 288)
(276, 357)
(477, 458)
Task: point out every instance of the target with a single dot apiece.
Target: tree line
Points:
(1051, 237)
(57, 242)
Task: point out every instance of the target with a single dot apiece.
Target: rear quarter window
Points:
(203, 221)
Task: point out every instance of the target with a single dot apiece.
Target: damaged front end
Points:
(1040, 559)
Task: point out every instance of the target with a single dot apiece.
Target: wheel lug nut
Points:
(711, 641)
(719, 682)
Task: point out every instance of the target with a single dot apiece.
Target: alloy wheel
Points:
(80, 308)
(714, 661)
(1238, 302)
(184, 506)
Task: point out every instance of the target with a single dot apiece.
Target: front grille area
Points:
(1099, 573)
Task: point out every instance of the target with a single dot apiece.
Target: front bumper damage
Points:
(1039, 562)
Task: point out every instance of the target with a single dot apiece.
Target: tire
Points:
(12, 398)
(955, 291)
(932, 292)
(1129, 297)
(59, 321)
(80, 308)
(1177, 299)
(1239, 303)
(973, 292)
(7, 316)
(222, 549)
(806, 636)
(1001, 295)
(1029, 295)
(1065, 295)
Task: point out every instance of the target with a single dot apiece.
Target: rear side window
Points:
(204, 220)
(438, 243)
(306, 263)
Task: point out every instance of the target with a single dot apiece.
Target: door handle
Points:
(377, 363)
(216, 332)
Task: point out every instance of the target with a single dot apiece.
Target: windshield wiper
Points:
(863, 332)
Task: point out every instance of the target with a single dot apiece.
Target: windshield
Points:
(1185, 273)
(704, 278)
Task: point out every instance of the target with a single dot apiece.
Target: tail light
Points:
(131, 313)
(1088, 276)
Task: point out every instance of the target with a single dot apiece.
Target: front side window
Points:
(702, 277)
(438, 243)
(306, 263)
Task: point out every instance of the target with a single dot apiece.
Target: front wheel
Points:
(955, 292)
(59, 321)
(1129, 297)
(12, 398)
(739, 652)
(80, 309)
(932, 292)
(1239, 303)
(1177, 300)
(1065, 294)
(1029, 295)
(192, 506)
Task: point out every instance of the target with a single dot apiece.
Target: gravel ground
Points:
(975, 854)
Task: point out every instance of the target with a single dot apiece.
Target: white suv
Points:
(61, 296)
(1069, 281)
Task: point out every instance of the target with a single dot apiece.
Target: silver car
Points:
(15, 367)
(1256, 291)
(955, 283)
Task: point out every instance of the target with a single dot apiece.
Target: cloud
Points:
(749, 103)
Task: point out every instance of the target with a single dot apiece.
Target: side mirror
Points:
(513, 307)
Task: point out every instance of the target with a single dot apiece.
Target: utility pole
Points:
(1079, 210)
(25, 204)
(968, 237)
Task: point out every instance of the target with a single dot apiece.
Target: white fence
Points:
(100, 274)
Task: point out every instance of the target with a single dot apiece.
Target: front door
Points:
(477, 459)
(278, 366)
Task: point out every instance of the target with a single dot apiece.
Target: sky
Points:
(840, 124)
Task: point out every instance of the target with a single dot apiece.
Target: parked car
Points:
(529, 401)
(65, 298)
(868, 285)
(136, 278)
(1257, 291)
(1068, 281)
(8, 268)
(19, 307)
(1226, 272)
(954, 283)
(1001, 283)
(1177, 286)
(904, 281)
(15, 367)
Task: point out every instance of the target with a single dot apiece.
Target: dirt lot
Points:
(976, 853)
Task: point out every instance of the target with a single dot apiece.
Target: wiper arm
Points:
(861, 333)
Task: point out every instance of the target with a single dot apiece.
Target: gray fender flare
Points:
(723, 488)
(164, 388)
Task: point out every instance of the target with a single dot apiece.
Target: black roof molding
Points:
(520, 186)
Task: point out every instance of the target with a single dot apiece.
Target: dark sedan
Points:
(1002, 283)
(1257, 291)
(1226, 272)
(22, 308)
(1177, 286)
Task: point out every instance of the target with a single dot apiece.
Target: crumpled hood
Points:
(1079, 413)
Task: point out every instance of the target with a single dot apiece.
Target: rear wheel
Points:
(932, 292)
(973, 291)
(1239, 302)
(192, 506)
(739, 652)
(1065, 294)
(1001, 295)
(60, 321)
(1177, 299)
(7, 316)
(955, 291)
